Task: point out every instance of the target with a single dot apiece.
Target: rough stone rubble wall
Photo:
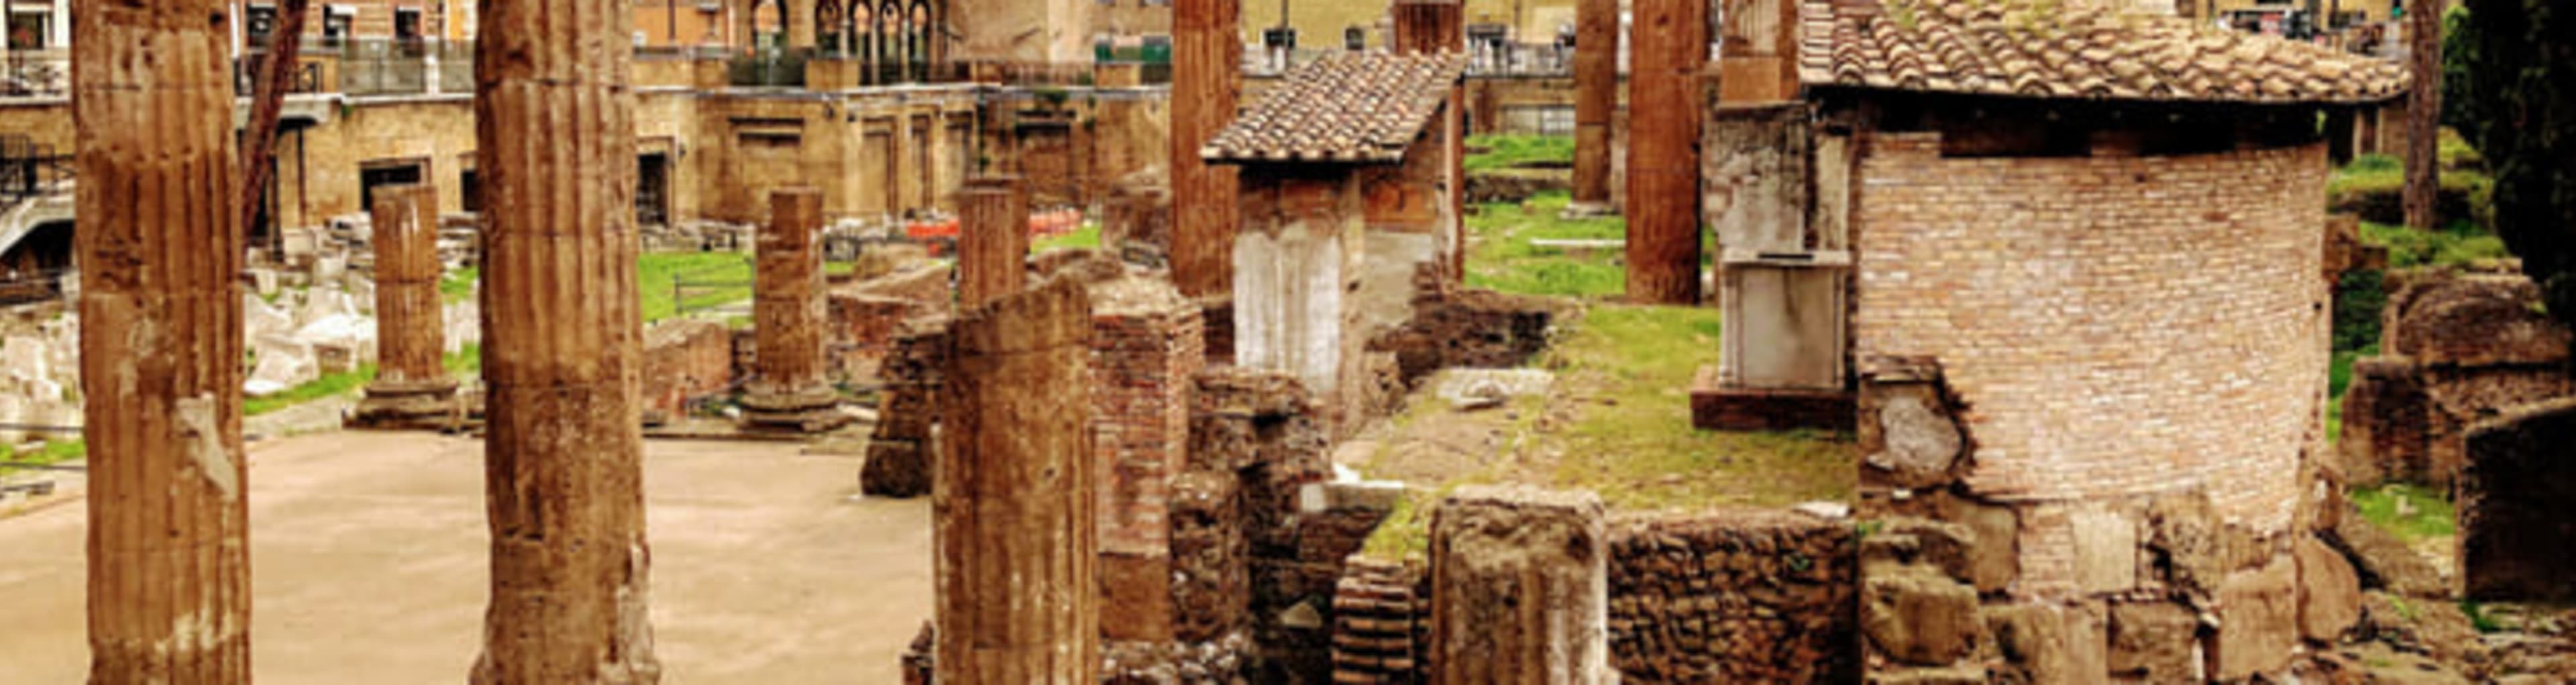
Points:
(2117, 326)
(1733, 597)
(2455, 349)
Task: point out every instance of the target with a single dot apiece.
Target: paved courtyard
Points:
(368, 565)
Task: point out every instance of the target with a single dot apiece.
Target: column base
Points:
(408, 405)
(1719, 407)
(812, 409)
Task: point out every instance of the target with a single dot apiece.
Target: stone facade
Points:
(1735, 597)
(1981, 262)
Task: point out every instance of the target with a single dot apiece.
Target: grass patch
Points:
(54, 452)
(458, 286)
(1503, 151)
(466, 362)
(1502, 259)
(2426, 512)
(1406, 532)
(714, 278)
(1637, 446)
(329, 385)
(1085, 238)
(2460, 244)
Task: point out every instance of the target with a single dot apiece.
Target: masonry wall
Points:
(319, 169)
(872, 154)
(2116, 326)
(685, 359)
(1733, 597)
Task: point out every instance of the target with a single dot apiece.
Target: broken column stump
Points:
(993, 243)
(1520, 587)
(2513, 497)
(161, 343)
(791, 391)
(1014, 502)
(412, 389)
(570, 569)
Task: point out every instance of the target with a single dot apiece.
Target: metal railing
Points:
(29, 169)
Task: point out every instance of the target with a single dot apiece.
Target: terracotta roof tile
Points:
(2040, 48)
(1352, 107)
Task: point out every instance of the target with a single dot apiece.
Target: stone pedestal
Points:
(993, 239)
(1665, 104)
(562, 343)
(161, 344)
(412, 389)
(1017, 543)
(1520, 588)
(791, 390)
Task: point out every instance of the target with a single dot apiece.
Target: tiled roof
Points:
(1346, 107)
(2062, 49)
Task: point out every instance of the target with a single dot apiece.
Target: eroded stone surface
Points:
(1520, 587)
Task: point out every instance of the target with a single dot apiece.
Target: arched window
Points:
(827, 26)
(769, 23)
(861, 27)
(919, 57)
(890, 43)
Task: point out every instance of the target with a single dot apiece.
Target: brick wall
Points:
(2115, 326)
(1145, 347)
(684, 359)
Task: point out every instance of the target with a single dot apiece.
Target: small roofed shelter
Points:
(1308, 152)
(2099, 232)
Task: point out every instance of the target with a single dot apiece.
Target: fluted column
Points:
(555, 125)
(1015, 498)
(1596, 99)
(161, 343)
(993, 239)
(1207, 63)
(1664, 110)
(412, 388)
(792, 390)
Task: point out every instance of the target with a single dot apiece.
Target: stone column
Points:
(1520, 587)
(1664, 110)
(412, 388)
(555, 123)
(161, 344)
(1014, 502)
(992, 240)
(1596, 100)
(1436, 27)
(792, 390)
(1207, 61)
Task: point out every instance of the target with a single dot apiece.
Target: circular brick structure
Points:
(2119, 327)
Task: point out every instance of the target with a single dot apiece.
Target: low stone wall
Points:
(1471, 329)
(1736, 597)
(684, 360)
(2514, 495)
(2458, 348)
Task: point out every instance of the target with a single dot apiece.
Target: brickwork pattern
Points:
(2116, 326)
(1143, 358)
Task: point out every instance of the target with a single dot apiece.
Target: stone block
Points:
(2385, 562)
(1520, 588)
(1135, 597)
(2514, 499)
(2106, 551)
(1915, 616)
(1714, 407)
(1995, 531)
(2258, 621)
(2154, 642)
(2185, 533)
(2048, 643)
(2329, 592)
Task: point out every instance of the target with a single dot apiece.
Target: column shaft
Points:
(410, 316)
(1664, 110)
(793, 388)
(563, 461)
(1596, 97)
(1015, 500)
(1207, 63)
(161, 343)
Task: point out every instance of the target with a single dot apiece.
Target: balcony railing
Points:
(33, 73)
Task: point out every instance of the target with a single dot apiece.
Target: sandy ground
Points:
(368, 565)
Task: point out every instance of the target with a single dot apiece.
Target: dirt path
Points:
(368, 554)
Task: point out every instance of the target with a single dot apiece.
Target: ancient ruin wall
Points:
(2115, 326)
(1733, 597)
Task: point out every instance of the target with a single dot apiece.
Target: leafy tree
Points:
(2520, 74)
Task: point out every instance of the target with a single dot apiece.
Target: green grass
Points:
(54, 452)
(467, 362)
(1084, 238)
(2460, 244)
(1638, 448)
(1503, 260)
(2429, 515)
(458, 286)
(1503, 151)
(329, 385)
(723, 278)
